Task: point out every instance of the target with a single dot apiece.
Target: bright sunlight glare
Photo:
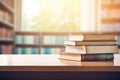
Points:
(31, 7)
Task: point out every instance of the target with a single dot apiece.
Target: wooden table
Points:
(47, 67)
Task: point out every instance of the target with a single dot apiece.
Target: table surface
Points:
(52, 63)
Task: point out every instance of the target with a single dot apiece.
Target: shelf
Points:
(5, 6)
(26, 45)
(110, 6)
(26, 33)
(62, 46)
(110, 20)
(6, 40)
(6, 24)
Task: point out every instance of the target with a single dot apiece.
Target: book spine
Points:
(37, 40)
(23, 39)
(16, 51)
(35, 51)
(0, 49)
(46, 51)
(97, 57)
(23, 51)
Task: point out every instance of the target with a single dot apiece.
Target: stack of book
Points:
(90, 47)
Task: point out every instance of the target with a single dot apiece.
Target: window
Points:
(51, 15)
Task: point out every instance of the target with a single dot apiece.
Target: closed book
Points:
(46, 51)
(75, 43)
(23, 39)
(0, 33)
(37, 40)
(23, 51)
(16, 51)
(18, 39)
(29, 39)
(86, 57)
(33, 51)
(59, 40)
(0, 49)
(28, 51)
(91, 49)
(90, 37)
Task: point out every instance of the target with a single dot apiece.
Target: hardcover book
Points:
(77, 43)
(86, 57)
(91, 49)
(90, 37)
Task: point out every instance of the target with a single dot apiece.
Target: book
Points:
(90, 37)
(50, 50)
(117, 27)
(0, 49)
(86, 57)
(27, 39)
(6, 49)
(77, 43)
(91, 49)
(26, 51)
(16, 51)
(18, 39)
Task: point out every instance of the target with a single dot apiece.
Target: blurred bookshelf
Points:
(109, 15)
(27, 43)
(7, 26)
(47, 42)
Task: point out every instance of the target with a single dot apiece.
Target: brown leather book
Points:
(86, 57)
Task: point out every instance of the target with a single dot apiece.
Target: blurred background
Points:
(42, 26)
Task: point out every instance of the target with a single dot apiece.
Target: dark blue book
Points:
(0, 49)
(23, 51)
(34, 51)
(16, 51)
(46, 51)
